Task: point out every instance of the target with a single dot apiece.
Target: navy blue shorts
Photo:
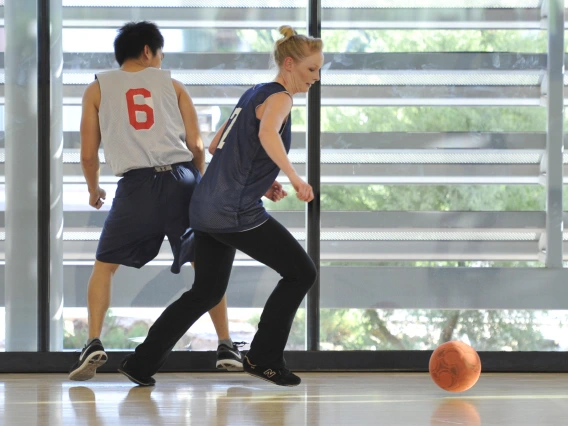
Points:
(148, 206)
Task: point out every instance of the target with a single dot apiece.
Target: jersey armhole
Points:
(268, 97)
(287, 117)
(284, 124)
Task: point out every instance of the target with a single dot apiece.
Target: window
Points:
(217, 52)
(433, 135)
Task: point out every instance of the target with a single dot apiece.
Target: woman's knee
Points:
(312, 274)
(308, 273)
(214, 300)
(207, 297)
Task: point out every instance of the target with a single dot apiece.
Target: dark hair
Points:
(133, 36)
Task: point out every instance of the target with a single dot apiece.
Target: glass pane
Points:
(432, 141)
(217, 54)
(18, 190)
(397, 329)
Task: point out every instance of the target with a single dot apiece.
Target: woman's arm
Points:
(276, 109)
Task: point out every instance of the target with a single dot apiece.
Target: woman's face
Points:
(306, 72)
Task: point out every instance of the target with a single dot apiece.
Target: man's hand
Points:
(276, 192)
(96, 198)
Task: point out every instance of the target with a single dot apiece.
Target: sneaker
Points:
(92, 357)
(278, 376)
(230, 359)
(133, 376)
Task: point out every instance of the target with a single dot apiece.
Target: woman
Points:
(227, 215)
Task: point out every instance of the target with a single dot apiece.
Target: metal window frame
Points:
(552, 167)
(44, 174)
(299, 361)
(313, 209)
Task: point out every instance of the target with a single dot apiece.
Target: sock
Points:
(91, 340)
(228, 342)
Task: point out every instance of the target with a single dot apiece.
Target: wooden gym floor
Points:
(323, 399)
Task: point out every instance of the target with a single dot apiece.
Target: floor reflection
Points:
(219, 399)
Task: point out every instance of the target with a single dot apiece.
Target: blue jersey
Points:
(228, 198)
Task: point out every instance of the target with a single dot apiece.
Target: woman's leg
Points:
(213, 263)
(273, 245)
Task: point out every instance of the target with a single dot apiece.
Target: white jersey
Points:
(140, 121)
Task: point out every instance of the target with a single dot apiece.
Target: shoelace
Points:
(240, 344)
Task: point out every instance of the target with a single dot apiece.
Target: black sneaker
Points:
(278, 376)
(230, 359)
(92, 357)
(133, 375)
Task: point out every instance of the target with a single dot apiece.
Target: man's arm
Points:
(90, 143)
(192, 134)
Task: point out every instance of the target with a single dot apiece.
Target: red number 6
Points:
(132, 108)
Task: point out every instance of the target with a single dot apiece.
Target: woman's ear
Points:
(288, 63)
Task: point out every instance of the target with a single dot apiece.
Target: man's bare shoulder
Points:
(92, 94)
(178, 87)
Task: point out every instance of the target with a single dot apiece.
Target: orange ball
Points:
(455, 366)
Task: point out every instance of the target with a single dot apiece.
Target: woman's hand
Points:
(276, 192)
(304, 191)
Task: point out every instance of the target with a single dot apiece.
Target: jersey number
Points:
(133, 108)
(233, 118)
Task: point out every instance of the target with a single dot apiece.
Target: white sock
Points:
(228, 342)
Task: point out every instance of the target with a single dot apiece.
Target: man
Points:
(148, 126)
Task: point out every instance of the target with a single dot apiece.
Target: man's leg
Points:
(229, 356)
(98, 297)
(132, 235)
(98, 300)
(220, 319)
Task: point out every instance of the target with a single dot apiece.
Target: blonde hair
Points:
(294, 45)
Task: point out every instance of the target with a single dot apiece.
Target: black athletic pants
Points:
(270, 244)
